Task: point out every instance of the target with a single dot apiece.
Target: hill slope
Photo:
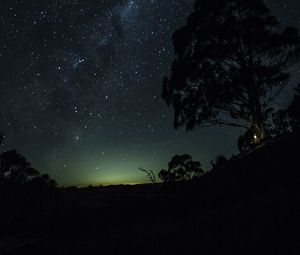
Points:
(248, 205)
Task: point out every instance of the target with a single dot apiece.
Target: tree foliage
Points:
(230, 65)
(181, 168)
(287, 120)
(281, 123)
(16, 170)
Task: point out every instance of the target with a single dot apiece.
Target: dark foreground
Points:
(248, 206)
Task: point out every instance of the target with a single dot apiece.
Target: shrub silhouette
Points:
(220, 161)
(181, 168)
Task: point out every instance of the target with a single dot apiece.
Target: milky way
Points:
(81, 82)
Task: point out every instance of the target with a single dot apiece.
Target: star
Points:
(81, 83)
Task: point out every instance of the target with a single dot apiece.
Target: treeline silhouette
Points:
(25, 193)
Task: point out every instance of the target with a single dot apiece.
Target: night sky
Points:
(80, 86)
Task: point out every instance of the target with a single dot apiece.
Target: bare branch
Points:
(149, 173)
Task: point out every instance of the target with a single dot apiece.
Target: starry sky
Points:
(80, 86)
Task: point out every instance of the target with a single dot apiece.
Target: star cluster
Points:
(80, 88)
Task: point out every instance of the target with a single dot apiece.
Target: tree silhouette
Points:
(16, 170)
(12, 166)
(230, 65)
(181, 168)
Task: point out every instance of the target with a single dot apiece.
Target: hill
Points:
(247, 205)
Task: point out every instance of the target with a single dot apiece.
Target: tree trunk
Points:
(259, 126)
(257, 120)
(261, 131)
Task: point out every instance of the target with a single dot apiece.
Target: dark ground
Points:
(250, 205)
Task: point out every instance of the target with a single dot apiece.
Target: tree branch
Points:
(149, 173)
